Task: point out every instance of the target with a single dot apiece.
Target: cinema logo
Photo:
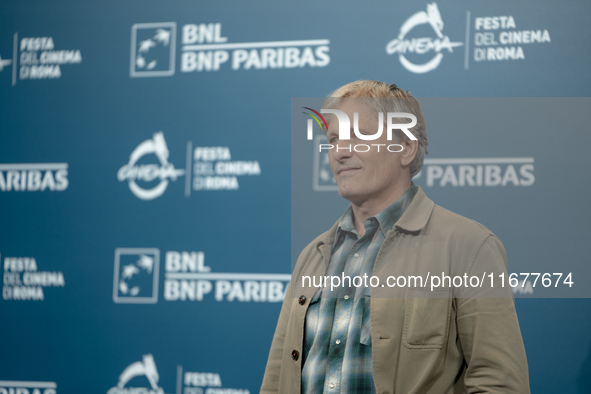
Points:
(32, 177)
(133, 172)
(203, 382)
(22, 280)
(497, 38)
(145, 373)
(421, 46)
(5, 62)
(212, 169)
(204, 48)
(475, 172)
(24, 387)
(145, 368)
(38, 58)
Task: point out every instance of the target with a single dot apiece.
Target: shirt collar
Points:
(386, 219)
(413, 221)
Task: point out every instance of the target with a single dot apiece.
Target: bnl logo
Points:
(323, 178)
(152, 49)
(135, 278)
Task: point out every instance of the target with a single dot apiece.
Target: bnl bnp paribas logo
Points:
(149, 170)
(135, 278)
(27, 387)
(33, 177)
(421, 54)
(205, 48)
(445, 172)
(153, 49)
(187, 278)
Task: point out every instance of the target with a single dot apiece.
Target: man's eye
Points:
(333, 139)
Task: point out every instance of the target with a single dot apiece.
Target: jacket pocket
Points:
(426, 319)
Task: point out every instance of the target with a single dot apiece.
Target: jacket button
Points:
(302, 300)
(295, 355)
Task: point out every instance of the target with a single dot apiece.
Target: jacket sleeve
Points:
(488, 328)
(273, 369)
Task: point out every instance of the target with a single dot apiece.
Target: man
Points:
(406, 336)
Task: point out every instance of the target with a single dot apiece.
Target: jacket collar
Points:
(417, 214)
(413, 220)
(326, 240)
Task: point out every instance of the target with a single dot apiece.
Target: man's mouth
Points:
(347, 170)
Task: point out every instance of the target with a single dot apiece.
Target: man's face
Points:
(364, 176)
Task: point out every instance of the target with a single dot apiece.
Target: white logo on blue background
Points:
(136, 276)
(146, 368)
(4, 63)
(422, 45)
(323, 179)
(135, 172)
(152, 49)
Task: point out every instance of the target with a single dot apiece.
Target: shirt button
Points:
(346, 297)
(295, 355)
(338, 341)
(332, 385)
(302, 300)
(356, 255)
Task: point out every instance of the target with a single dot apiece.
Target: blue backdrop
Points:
(145, 169)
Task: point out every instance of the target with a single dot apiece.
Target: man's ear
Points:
(409, 152)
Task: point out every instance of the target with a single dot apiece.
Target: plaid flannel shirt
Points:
(337, 334)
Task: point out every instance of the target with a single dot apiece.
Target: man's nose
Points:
(343, 149)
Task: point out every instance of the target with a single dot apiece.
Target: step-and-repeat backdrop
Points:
(146, 186)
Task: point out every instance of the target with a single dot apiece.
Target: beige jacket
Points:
(451, 340)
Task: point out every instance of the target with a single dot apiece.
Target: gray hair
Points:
(381, 97)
